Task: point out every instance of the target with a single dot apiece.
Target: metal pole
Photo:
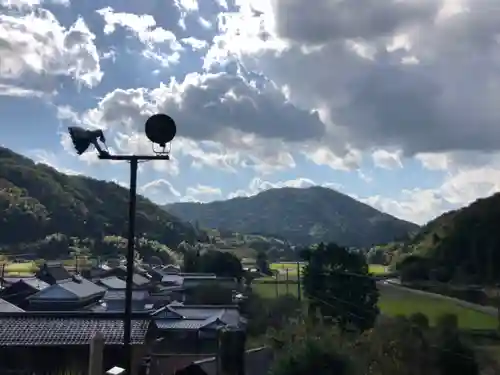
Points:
(299, 289)
(3, 275)
(276, 281)
(127, 321)
(287, 281)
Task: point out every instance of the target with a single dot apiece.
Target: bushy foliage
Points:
(338, 285)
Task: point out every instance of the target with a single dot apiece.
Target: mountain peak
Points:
(302, 215)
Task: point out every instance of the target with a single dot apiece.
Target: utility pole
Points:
(492, 282)
(160, 129)
(3, 275)
(276, 281)
(287, 281)
(299, 289)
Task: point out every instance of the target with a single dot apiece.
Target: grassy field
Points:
(394, 301)
(20, 269)
(269, 290)
(377, 269)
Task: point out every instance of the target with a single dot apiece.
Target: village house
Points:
(56, 342)
(69, 295)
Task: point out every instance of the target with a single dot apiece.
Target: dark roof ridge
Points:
(214, 307)
(74, 315)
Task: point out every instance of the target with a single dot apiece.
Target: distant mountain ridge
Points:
(301, 215)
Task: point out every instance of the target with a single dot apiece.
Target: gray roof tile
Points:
(113, 282)
(39, 330)
(137, 295)
(179, 324)
(69, 290)
(8, 307)
(35, 283)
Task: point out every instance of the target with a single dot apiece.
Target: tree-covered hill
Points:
(301, 216)
(463, 244)
(37, 201)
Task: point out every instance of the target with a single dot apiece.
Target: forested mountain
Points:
(37, 201)
(463, 244)
(301, 216)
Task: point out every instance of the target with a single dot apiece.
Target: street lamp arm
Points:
(104, 155)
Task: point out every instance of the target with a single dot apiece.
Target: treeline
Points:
(61, 247)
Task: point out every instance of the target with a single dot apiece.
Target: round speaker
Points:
(160, 129)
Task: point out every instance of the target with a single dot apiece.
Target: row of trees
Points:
(59, 247)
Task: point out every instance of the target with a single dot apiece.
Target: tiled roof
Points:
(179, 324)
(172, 279)
(69, 290)
(139, 271)
(8, 307)
(50, 330)
(120, 295)
(113, 282)
(203, 311)
(35, 283)
(190, 317)
(139, 280)
(57, 271)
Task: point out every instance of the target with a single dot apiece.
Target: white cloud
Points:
(355, 67)
(435, 162)
(161, 191)
(257, 185)
(202, 193)
(387, 160)
(461, 186)
(35, 48)
(147, 32)
(324, 156)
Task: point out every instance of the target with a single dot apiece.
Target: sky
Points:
(393, 102)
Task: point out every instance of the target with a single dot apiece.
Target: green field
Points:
(377, 269)
(268, 290)
(20, 269)
(395, 301)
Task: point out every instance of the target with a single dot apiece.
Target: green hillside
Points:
(37, 201)
(301, 216)
(462, 244)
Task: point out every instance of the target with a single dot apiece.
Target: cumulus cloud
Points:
(252, 124)
(408, 74)
(387, 159)
(36, 49)
(212, 107)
